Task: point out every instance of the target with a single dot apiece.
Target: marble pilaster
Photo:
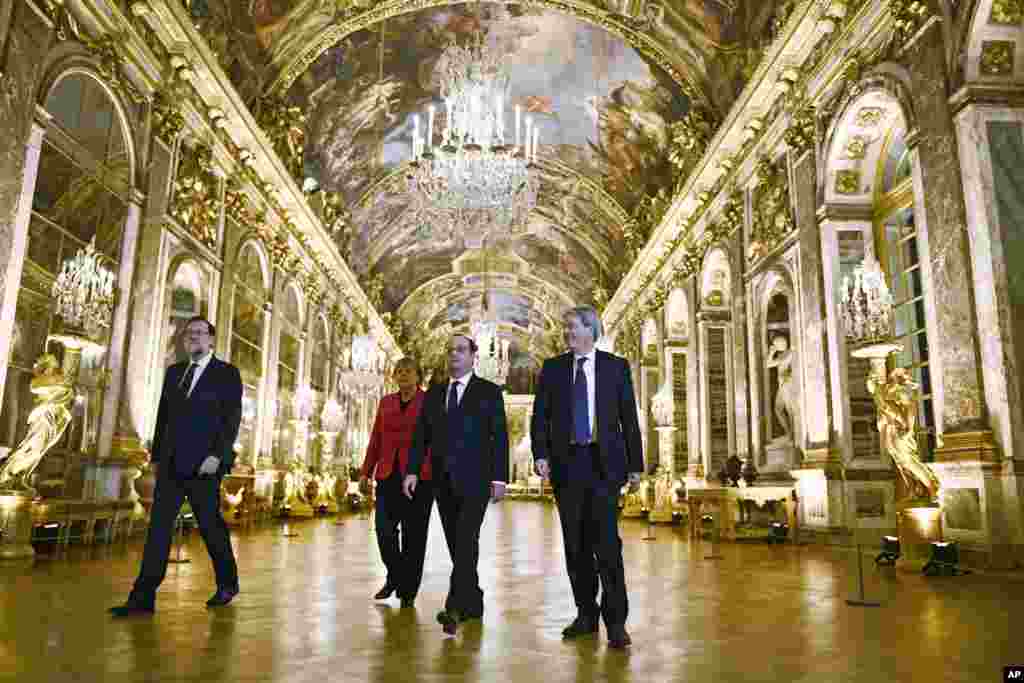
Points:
(119, 330)
(16, 245)
(1002, 345)
(695, 471)
(737, 348)
(717, 424)
(811, 344)
(940, 219)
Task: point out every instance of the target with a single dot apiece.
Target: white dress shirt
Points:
(590, 370)
(460, 389)
(200, 366)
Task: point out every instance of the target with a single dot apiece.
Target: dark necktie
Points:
(580, 406)
(186, 381)
(453, 398)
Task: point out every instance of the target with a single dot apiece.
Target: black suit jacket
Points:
(617, 430)
(189, 428)
(471, 446)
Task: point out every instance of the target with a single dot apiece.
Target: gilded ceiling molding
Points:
(792, 67)
(680, 70)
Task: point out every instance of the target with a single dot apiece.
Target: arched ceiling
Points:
(604, 88)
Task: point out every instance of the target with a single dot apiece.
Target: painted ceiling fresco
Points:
(601, 109)
(604, 113)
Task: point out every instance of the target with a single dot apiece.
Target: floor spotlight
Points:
(890, 551)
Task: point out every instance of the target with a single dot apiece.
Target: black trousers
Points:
(204, 496)
(462, 516)
(589, 511)
(402, 527)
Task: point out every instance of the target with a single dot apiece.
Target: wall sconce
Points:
(890, 551)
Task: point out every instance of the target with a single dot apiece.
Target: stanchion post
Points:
(179, 525)
(861, 602)
(714, 537)
(650, 529)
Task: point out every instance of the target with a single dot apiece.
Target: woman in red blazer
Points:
(387, 458)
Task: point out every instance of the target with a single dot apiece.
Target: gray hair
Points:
(587, 315)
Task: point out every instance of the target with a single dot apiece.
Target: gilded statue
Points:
(46, 424)
(896, 403)
(780, 356)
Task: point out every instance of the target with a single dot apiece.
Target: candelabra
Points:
(867, 305)
(84, 293)
(493, 358)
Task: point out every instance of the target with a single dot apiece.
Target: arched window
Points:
(318, 379)
(870, 167)
(186, 298)
(247, 329)
(81, 195)
(289, 354)
(899, 251)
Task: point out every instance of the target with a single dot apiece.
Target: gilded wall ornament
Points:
(167, 119)
(869, 117)
(996, 57)
(908, 17)
(773, 215)
(848, 181)
(285, 126)
(800, 135)
(856, 148)
(1007, 12)
(689, 139)
(237, 205)
(196, 202)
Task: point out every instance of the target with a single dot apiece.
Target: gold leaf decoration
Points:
(285, 126)
(773, 215)
(196, 202)
(996, 57)
(1007, 12)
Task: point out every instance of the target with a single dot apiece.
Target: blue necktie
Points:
(453, 398)
(580, 406)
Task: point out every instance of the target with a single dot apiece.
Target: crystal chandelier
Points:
(473, 180)
(364, 354)
(84, 292)
(867, 304)
(493, 357)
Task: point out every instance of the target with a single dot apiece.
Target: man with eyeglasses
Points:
(193, 448)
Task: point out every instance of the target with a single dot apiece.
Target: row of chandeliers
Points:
(472, 181)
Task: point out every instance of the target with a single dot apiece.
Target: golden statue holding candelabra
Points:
(896, 404)
(46, 424)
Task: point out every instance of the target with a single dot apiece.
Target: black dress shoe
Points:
(131, 609)
(449, 621)
(385, 592)
(618, 638)
(222, 597)
(581, 626)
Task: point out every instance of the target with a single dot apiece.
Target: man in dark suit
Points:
(462, 424)
(193, 448)
(586, 439)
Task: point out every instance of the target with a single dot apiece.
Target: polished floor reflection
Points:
(760, 613)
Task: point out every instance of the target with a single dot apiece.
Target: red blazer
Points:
(392, 433)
